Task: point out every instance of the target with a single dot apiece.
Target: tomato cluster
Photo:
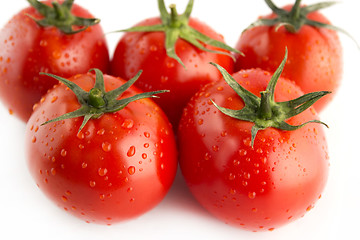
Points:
(105, 135)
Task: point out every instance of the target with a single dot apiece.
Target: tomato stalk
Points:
(294, 19)
(97, 101)
(176, 26)
(60, 16)
(264, 112)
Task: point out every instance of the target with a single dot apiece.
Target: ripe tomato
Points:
(118, 166)
(26, 49)
(181, 67)
(256, 187)
(315, 52)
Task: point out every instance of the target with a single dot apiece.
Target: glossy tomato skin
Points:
(27, 49)
(259, 188)
(315, 55)
(146, 51)
(118, 167)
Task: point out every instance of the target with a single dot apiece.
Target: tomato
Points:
(118, 166)
(26, 48)
(315, 53)
(181, 67)
(256, 182)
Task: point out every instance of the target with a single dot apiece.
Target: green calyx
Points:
(264, 112)
(59, 16)
(294, 19)
(97, 101)
(176, 26)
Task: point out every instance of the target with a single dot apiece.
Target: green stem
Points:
(60, 14)
(265, 109)
(296, 10)
(174, 16)
(96, 98)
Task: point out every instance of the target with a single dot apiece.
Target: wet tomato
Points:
(117, 166)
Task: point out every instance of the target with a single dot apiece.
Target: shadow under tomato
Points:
(180, 198)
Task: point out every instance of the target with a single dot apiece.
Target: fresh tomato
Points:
(174, 52)
(315, 53)
(29, 44)
(250, 173)
(112, 164)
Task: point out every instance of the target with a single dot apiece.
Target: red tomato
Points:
(259, 187)
(27, 49)
(315, 54)
(117, 167)
(147, 51)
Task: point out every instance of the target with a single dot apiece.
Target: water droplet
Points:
(43, 43)
(146, 134)
(100, 132)
(247, 175)
(131, 151)
(54, 99)
(92, 183)
(128, 124)
(80, 135)
(207, 156)
(309, 208)
(63, 152)
(247, 142)
(106, 146)
(102, 171)
(252, 195)
(153, 48)
(242, 152)
(131, 170)
(144, 155)
(162, 166)
(231, 176)
(84, 165)
(232, 191)
(56, 54)
(146, 145)
(164, 79)
(170, 64)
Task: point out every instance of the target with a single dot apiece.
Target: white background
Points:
(26, 213)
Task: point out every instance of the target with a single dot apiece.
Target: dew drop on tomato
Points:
(131, 170)
(131, 151)
(127, 124)
(102, 171)
(106, 146)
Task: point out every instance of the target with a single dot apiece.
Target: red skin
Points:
(146, 51)
(258, 188)
(27, 49)
(315, 55)
(118, 167)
